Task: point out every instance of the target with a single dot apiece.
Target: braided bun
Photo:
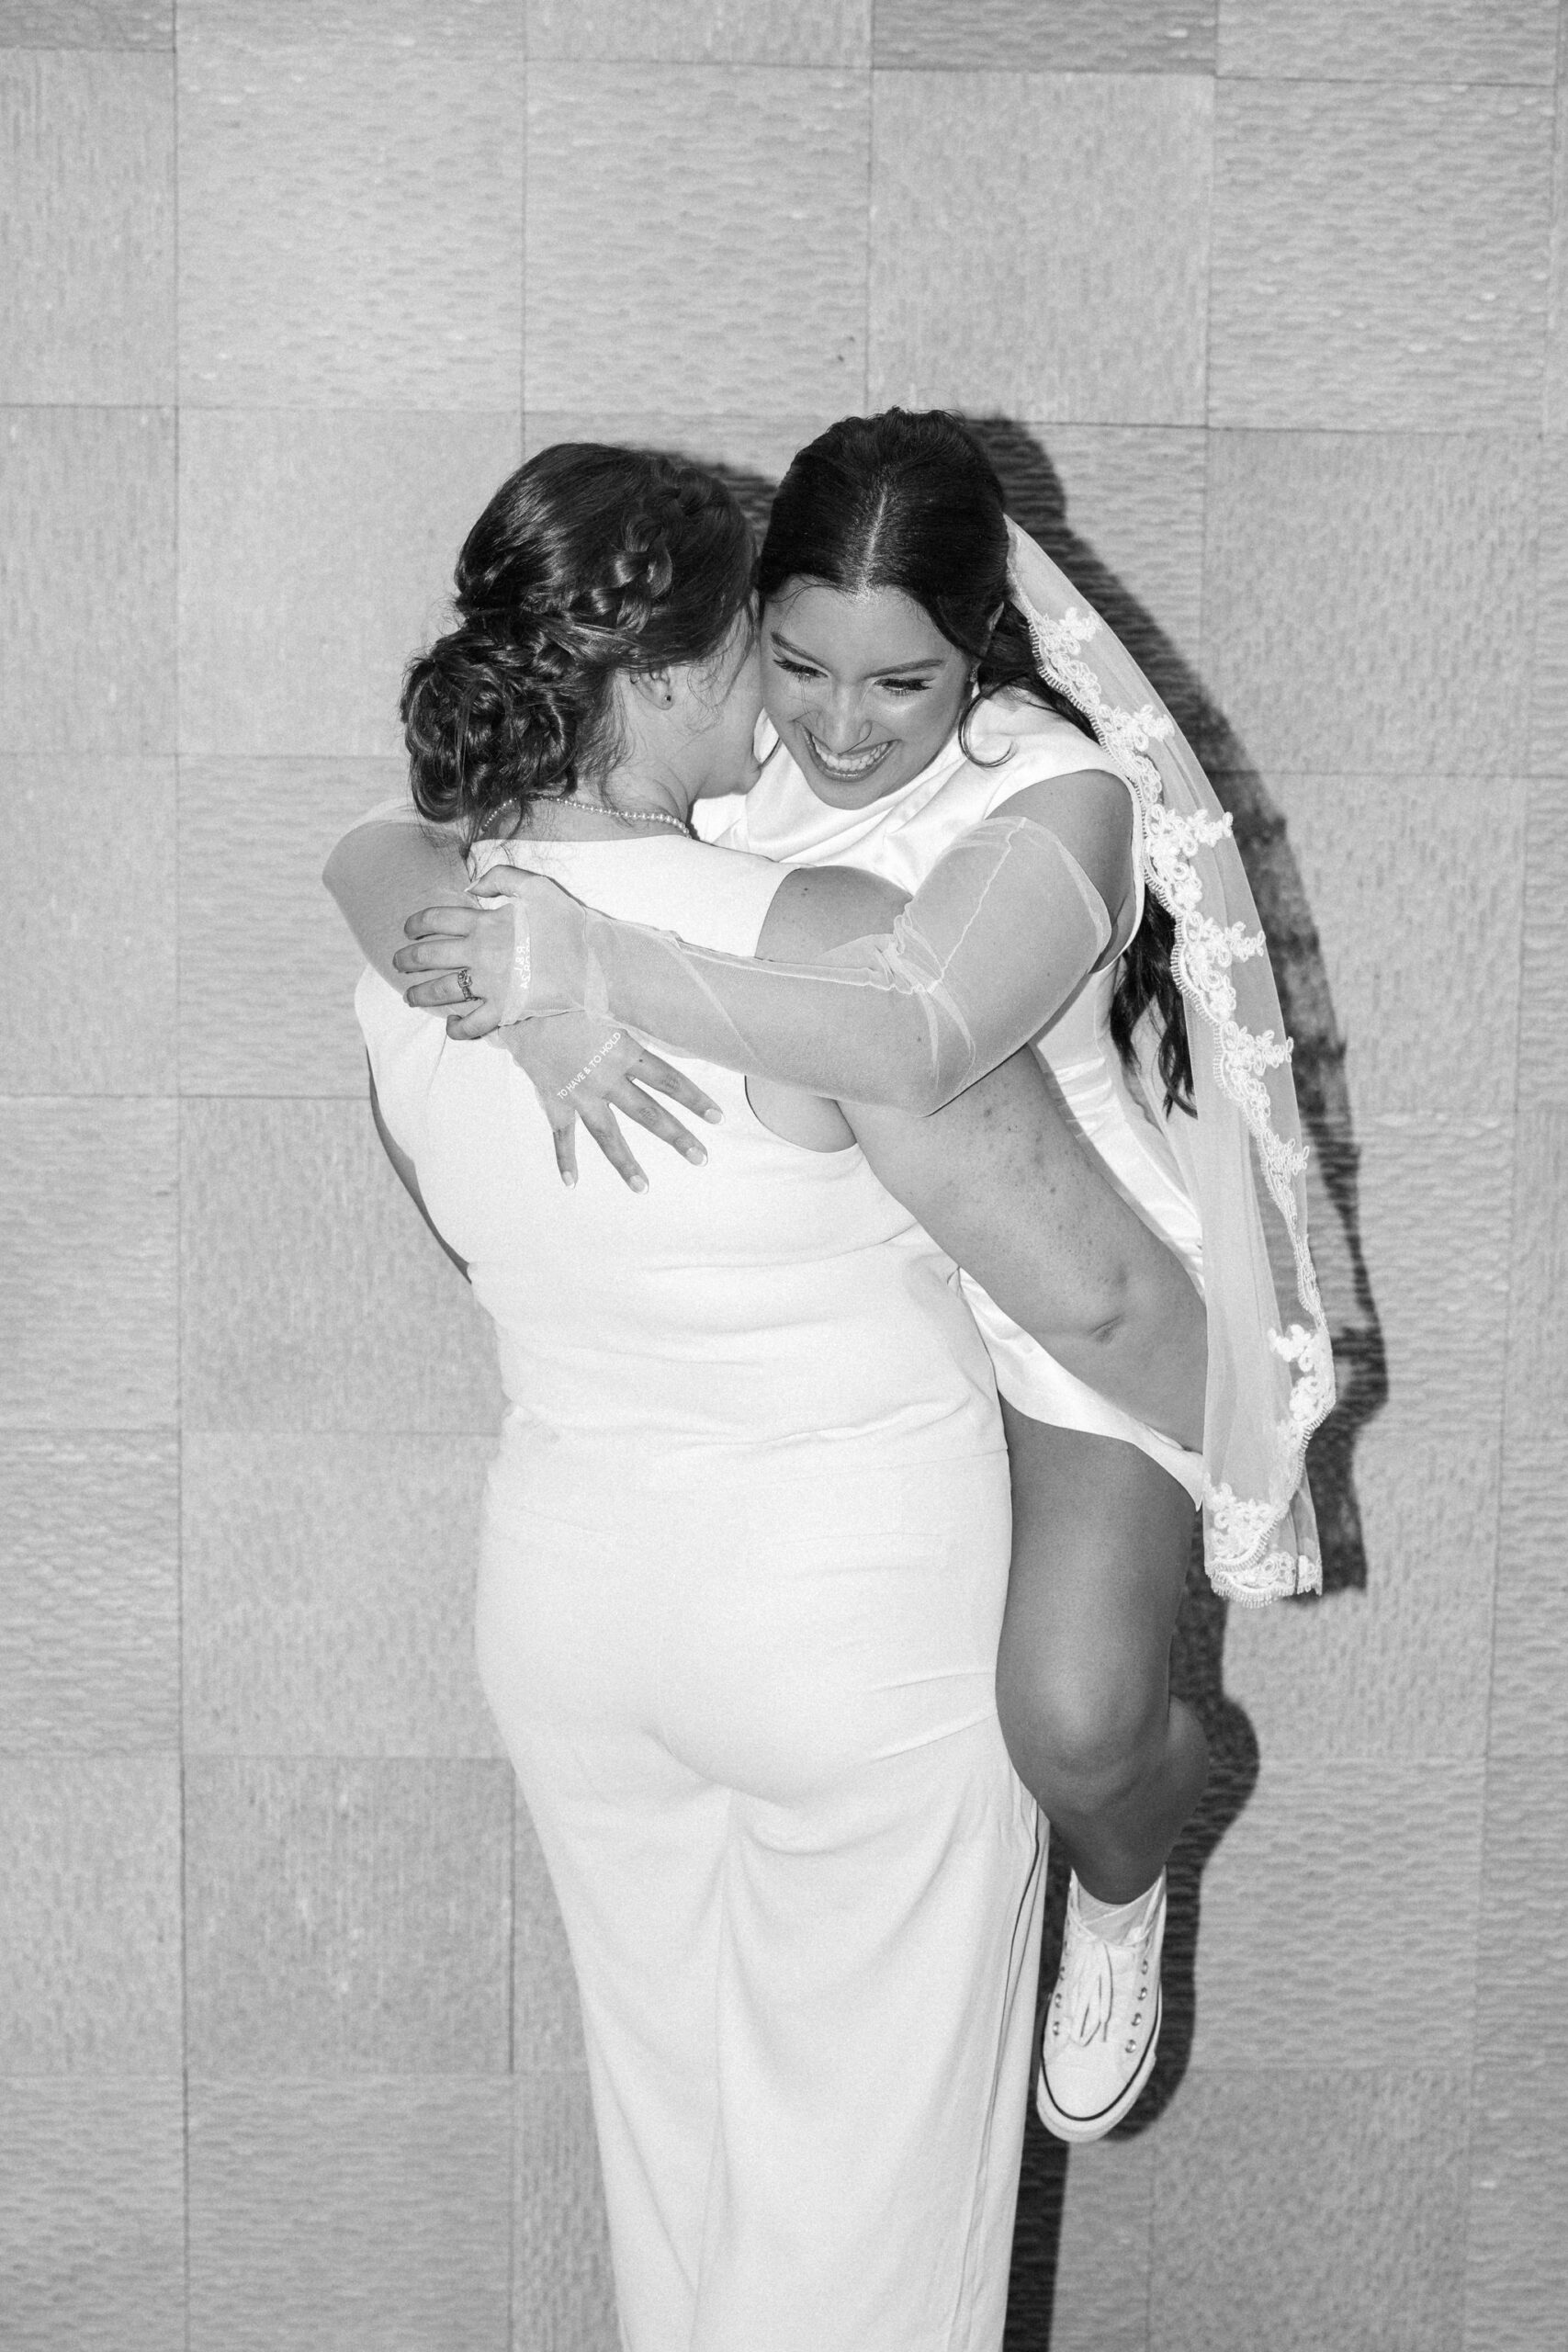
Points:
(637, 576)
(589, 560)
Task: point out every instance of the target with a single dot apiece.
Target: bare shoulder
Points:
(1090, 812)
(395, 837)
(1087, 801)
(816, 907)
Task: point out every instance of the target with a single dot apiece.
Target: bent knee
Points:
(1084, 1732)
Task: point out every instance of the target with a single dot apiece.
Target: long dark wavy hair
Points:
(909, 500)
(587, 560)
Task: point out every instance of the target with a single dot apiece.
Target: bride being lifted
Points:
(945, 712)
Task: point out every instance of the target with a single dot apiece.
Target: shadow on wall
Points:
(1035, 498)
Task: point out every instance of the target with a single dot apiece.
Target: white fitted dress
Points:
(1015, 744)
(744, 1561)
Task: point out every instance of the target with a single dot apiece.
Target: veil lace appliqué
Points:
(1271, 1382)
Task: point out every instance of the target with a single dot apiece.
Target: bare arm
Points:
(404, 1168)
(999, 937)
(381, 870)
(1001, 1180)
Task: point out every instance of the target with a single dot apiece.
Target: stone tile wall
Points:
(1265, 303)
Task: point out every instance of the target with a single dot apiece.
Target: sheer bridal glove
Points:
(907, 1018)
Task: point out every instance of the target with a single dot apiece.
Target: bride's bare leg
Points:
(1101, 1539)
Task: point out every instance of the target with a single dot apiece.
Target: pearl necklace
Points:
(637, 816)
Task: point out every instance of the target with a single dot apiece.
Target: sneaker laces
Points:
(1089, 1987)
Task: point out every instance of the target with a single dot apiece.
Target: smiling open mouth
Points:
(849, 767)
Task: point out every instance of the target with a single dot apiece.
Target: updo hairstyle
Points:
(909, 499)
(587, 560)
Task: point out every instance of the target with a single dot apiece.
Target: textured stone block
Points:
(1048, 35)
(1101, 2302)
(695, 238)
(1538, 1345)
(1516, 2288)
(329, 1596)
(563, 2296)
(86, 580)
(1091, 307)
(1543, 1010)
(546, 2021)
(1292, 1967)
(1556, 417)
(90, 1927)
(314, 1297)
(88, 235)
(88, 1313)
(1131, 500)
(92, 2217)
(1530, 1656)
(701, 32)
(1417, 40)
(1529, 1661)
(1331, 639)
(1430, 868)
(761, 445)
(351, 212)
(316, 555)
(1401, 1669)
(1549, 666)
(347, 1918)
(87, 24)
(453, 27)
(267, 965)
(1523, 1943)
(372, 2217)
(89, 1593)
(751, 453)
(1379, 257)
(1300, 2212)
(89, 846)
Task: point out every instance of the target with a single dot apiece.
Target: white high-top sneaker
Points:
(1102, 2027)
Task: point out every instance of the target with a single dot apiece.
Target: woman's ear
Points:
(657, 687)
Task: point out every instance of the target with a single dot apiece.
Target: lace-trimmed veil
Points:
(1242, 1159)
